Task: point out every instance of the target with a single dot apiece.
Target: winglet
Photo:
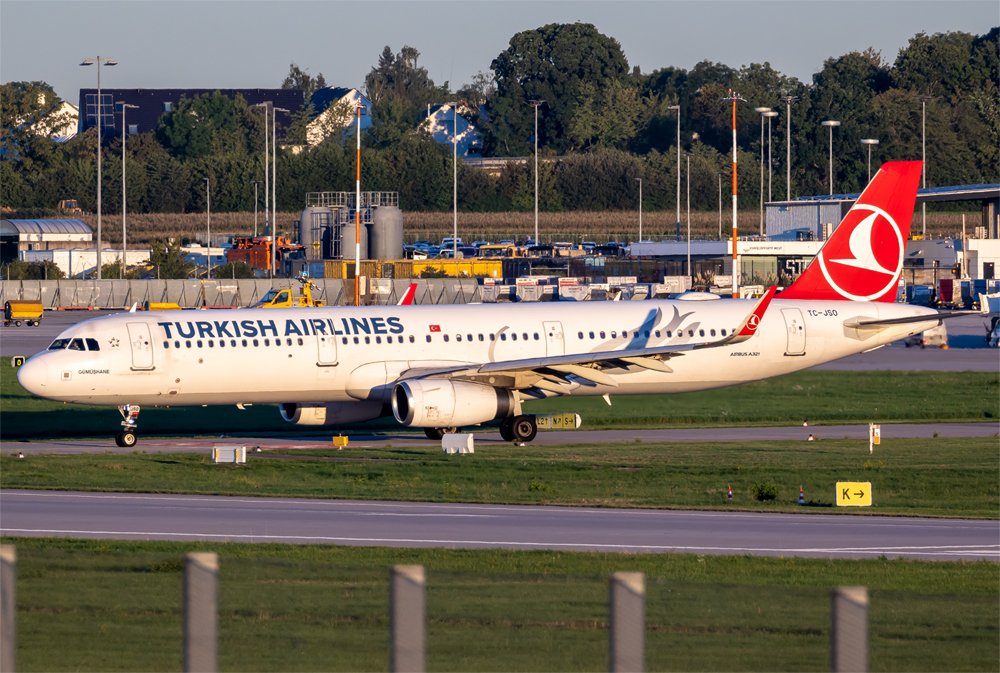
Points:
(750, 324)
(408, 296)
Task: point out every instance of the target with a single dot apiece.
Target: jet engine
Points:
(440, 403)
(332, 413)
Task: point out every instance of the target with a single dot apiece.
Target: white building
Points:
(335, 110)
(77, 263)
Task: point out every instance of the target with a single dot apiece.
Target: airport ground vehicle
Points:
(285, 297)
(935, 337)
(70, 207)
(17, 312)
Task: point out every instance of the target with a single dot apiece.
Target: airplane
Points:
(444, 367)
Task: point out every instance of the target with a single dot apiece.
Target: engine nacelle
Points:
(439, 403)
(332, 413)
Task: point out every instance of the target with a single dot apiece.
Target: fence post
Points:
(406, 618)
(849, 629)
(8, 607)
(627, 598)
(201, 576)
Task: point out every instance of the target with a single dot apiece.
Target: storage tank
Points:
(386, 239)
(344, 248)
(312, 222)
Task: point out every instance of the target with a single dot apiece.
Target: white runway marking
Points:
(954, 551)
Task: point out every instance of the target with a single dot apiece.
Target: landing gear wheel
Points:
(507, 429)
(439, 433)
(524, 428)
(126, 439)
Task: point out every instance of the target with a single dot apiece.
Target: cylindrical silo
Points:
(312, 221)
(387, 233)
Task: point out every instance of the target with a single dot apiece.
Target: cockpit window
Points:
(75, 345)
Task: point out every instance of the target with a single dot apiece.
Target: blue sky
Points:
(250, 43)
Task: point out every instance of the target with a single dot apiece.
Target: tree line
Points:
(601, 127)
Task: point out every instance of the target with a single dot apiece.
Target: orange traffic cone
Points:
(802, 496)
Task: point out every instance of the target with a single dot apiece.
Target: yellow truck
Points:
(285, 297)
(16, 312)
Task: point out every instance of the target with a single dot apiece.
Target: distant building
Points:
(59, 124)
(335, 111)
(21, 236)
(442, 124)
(151, 104)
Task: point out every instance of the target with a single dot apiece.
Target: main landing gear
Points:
(130, 420)
(439, 433)
(519, 428)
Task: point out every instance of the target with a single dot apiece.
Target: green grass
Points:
(109, 605)
(941, 477)
(820, 396)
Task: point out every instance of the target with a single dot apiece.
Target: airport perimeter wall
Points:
(221, 293)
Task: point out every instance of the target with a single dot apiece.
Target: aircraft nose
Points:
(33, 376)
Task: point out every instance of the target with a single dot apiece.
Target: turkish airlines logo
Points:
(753, 322)
(863, 262)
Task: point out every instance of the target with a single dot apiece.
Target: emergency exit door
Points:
(326, 354)
(554, 343)
(795, 330)
(142, 345)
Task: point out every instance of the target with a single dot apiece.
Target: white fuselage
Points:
(317, 355)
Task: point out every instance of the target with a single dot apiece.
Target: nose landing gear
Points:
(130, 420)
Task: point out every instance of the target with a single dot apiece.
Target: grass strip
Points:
(953, 477)
(820, 396)
(116, 606)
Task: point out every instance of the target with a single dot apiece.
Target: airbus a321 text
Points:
(444, 367)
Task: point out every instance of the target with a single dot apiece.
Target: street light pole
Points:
(124, 202)
(274, 186)
(677, 108)
(208, 217)
(535, 102)
(357, 213)
(869, 142)
(788, 145)
(762, 111)
(923, 161)
(734, 98)
(98, 61)
(267, 173)
(639, 180)
(831, 124)
(454, 180)
(770, 115)
(688, 180)
(256, 183)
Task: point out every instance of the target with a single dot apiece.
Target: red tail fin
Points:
(863, 259)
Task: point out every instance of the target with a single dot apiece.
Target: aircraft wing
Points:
(554, 372)
(875, 323)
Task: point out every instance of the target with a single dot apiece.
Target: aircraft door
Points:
(326, 354)
(554, 344)
(795, 331)
(142, 345)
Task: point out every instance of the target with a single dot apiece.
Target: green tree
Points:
(298, 78)
(168, 261)
(210, 124)
(237, 270)
(550, 63)
(21, 270)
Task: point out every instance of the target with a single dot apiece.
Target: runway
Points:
(459, 526)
